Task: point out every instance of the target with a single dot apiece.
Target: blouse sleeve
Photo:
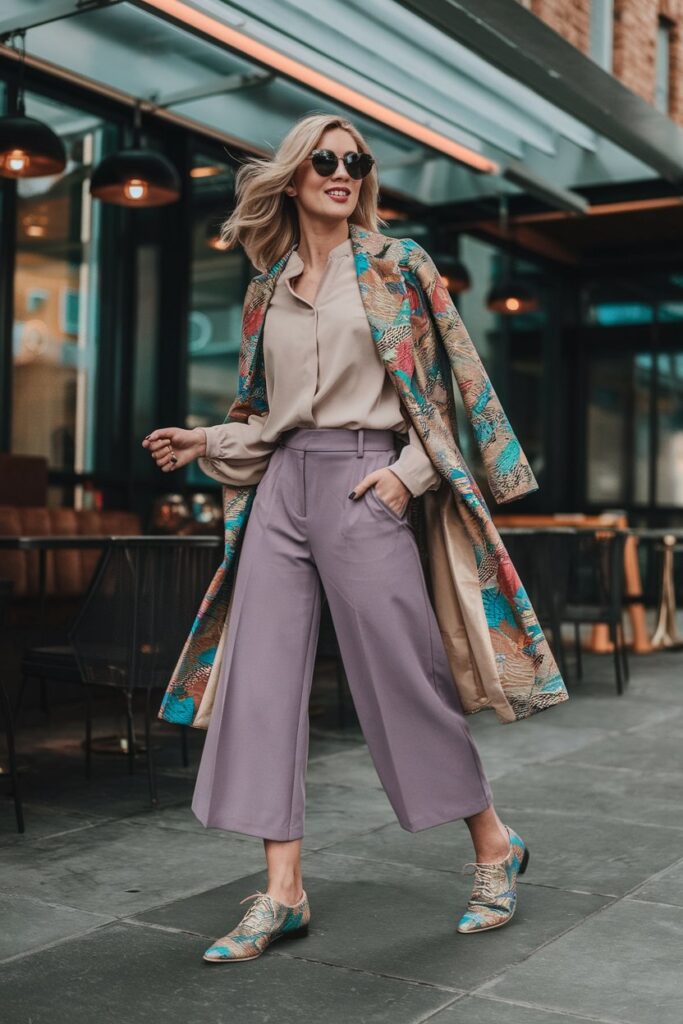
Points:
(414, 467)
(235, 454)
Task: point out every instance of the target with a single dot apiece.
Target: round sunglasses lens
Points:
(324, 162)
(359, 164)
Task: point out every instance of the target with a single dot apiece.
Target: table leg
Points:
(666, 633)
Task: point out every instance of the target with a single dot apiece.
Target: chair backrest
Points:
(541, 557)
(596, 577)
(140, 607)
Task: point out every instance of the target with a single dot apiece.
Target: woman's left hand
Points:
(390, 489)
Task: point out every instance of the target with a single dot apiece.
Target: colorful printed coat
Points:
(498, 654)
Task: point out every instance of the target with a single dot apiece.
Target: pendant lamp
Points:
(136, 176)
(454, 273)
(509, 296)
(28, 147)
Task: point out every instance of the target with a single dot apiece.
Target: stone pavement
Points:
(106, 906)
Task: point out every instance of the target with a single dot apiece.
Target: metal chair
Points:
(131, 627)
(595, 592)
(541, 557)
(6, 587)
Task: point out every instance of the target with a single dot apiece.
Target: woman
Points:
(331, 507)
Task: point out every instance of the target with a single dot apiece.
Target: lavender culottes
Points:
(304, 530)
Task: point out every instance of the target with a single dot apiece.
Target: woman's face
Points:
(330, 199)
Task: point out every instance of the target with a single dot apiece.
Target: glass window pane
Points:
(218, 282)
(55, 299)
(670, 415)
(618, 429)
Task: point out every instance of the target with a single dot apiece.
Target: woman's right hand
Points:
(167, 442)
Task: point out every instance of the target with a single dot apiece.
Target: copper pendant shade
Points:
(136, 177)
(29, 148)
(454, 273)
(509, 296)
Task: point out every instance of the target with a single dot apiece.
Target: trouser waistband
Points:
(338, 439)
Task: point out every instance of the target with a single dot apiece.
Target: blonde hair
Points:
(265, 220)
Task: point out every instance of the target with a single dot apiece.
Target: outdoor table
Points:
(43, 544)
(599, 642)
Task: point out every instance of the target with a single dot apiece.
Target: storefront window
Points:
(217, 284)
(56, 298)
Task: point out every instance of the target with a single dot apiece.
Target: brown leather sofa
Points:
(24, 511)
(69, 571)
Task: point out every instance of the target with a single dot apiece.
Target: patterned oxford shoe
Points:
(494, 893)
(266, 920)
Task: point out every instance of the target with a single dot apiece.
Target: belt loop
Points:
(360, 443)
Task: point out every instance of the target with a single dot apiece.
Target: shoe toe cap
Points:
(218, 953)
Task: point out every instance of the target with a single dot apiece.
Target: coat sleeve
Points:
(507, 467)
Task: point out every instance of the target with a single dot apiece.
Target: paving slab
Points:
(622, 964)
(31, 924)
(656, 749)
(664, 887)
(396, 921)
(580, 856)
(119, 869)
(592, 791)
(480, 1010)
(127, 974)
(40, 822)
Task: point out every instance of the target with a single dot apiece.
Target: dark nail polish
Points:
(352, 494)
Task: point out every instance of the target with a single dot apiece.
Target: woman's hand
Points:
(390, 489)
(169, 443)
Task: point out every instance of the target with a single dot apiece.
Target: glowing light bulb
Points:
(17, 161)
(512, 305)
(136, 188)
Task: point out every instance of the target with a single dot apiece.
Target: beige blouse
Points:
(322, 370)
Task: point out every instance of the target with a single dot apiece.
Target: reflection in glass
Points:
(670, 429)
(217, 288)
(54, 344)
(618, 433)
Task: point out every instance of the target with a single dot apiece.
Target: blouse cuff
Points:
(414, 468)
(235, 454)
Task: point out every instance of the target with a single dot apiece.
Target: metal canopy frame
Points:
(478, 75)
(516, 41)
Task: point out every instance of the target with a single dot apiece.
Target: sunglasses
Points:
(357, 164)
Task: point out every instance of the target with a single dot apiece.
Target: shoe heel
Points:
(298, 933)
(525, 861)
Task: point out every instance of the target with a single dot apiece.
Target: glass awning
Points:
(381, 51)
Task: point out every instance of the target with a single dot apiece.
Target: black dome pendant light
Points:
(509, 296)
(136, 176)
(28, 147)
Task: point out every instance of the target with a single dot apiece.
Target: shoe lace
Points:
(257, 910)
(487, 881)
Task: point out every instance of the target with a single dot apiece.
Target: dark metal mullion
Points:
(8, 241)
(176, 282)
(654, 417)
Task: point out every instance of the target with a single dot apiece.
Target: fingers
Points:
(158, 438)
(161, 449)
(366, 482)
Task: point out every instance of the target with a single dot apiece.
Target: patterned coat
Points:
(498, 654)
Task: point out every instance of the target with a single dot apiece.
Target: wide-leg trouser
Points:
(304, 530)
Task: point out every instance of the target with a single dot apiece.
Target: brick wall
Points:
(634, 41)
(571, 18)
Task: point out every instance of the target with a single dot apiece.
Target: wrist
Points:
(201, 442)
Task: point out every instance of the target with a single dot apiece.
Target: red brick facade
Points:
(634, 40)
